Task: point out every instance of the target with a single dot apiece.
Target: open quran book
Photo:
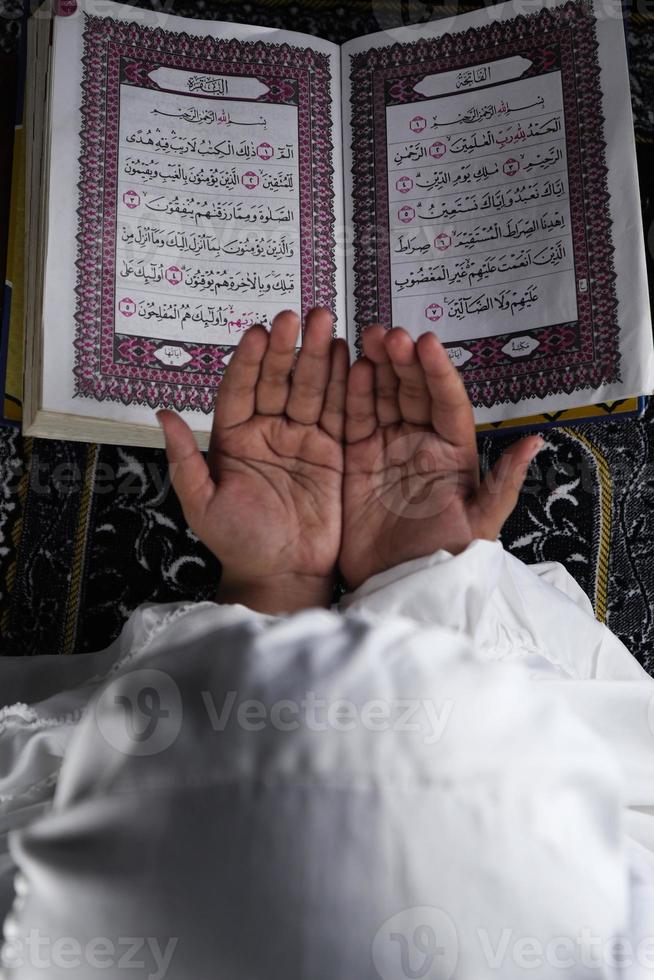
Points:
(473, 176)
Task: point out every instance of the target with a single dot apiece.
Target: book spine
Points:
(10, 404)
(540, 423)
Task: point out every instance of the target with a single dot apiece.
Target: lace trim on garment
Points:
(32, 720)
(152, 634)
(24, 712)
(30, 792)
(514, 643)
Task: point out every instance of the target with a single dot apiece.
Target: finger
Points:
(498, 495)
(413, 395)
(386, 383)
(332, 419)
(451, 411)
(189, 473)
(275, 376)
(360, 418)
(311, 374)
(235, 401)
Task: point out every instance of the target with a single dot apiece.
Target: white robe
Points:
(449, 775)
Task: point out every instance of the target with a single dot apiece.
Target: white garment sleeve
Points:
(538, 615)
(504, 807)
(324, 796)
(43, 698)
(510, 610)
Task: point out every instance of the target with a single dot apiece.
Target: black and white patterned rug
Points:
(88, 532)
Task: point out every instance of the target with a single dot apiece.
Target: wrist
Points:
(276, 594)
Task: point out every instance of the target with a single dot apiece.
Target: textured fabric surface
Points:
(507, 793)
(87, 533)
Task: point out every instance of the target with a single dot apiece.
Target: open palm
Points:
(267, 502)
(412, 481)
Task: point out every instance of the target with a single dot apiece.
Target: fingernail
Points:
(539, 445)
(157, 416)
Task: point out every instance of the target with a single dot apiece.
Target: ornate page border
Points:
(570, 356)
(111, 367)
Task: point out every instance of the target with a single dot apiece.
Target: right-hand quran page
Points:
(490, 174)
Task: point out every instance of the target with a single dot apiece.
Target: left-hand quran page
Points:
(195, 189)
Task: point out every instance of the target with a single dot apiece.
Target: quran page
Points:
(491, 184)
(206, 198)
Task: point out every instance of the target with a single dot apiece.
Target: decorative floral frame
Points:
(570, 356)
(122, 368)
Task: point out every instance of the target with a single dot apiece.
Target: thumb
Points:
(189, 473)
(498, 494)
